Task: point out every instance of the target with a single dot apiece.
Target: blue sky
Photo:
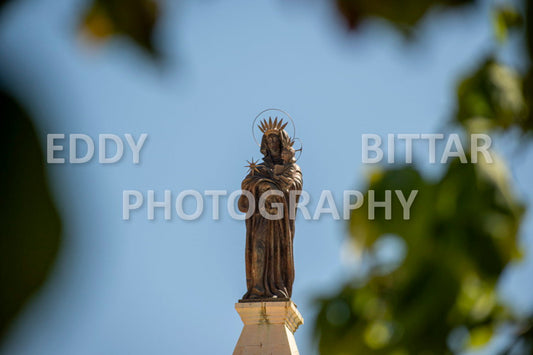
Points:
(165, 287)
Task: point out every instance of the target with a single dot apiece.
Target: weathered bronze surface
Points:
(269, 242)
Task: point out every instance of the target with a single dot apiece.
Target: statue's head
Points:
(275, 139)
(273, 145)
(287, 155)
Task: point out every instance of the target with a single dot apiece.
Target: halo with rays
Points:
(268, 127)
(271, 112)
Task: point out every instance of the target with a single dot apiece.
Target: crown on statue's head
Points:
(269, 127)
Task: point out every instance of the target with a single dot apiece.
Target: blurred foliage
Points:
(528, 81)
(493, 93)
(30, 236)
(441, 296)
(135, 19)
(402, 14)
(506, 19)
(461, 235)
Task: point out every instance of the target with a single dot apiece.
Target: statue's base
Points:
(269, 326)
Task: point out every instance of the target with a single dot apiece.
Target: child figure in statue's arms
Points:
(283, 173)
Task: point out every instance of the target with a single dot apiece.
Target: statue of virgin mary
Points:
(269, 241)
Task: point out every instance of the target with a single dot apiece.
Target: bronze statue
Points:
(269, 242)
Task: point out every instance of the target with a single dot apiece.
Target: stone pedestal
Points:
(269, 327)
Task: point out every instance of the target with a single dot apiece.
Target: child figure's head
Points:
(287, 155)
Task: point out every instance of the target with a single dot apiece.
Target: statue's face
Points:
(274, 145)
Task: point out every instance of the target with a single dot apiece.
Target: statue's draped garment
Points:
(269, 243)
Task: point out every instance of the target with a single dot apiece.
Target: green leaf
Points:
(493, 92)
(135, 19)
(29, 221)
(505, 19)
(404, 15)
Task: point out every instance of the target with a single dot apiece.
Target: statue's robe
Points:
(269, 243)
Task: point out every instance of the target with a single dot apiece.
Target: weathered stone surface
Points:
(268, 328)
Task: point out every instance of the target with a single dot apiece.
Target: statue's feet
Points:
(282, 293)
(254, 293)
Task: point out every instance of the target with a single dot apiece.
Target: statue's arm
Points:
(244, 204)
(297, 180)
